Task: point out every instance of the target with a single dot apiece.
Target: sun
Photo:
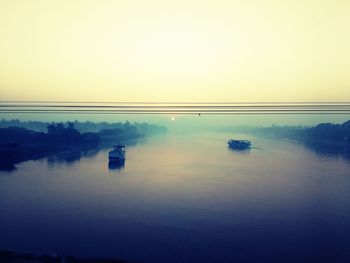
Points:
(172, 118)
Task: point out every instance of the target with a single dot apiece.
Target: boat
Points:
(239, 144)
(117, 155)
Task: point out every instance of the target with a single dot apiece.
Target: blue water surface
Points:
(183, 197)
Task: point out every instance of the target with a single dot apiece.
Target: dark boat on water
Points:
(239, 144)
(117, 155)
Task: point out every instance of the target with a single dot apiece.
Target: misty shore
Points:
(65, 141)
(324, 138)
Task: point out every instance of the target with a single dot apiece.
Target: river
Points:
(183, 197)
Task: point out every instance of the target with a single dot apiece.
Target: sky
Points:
(175, 51)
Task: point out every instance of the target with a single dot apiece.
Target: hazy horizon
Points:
(223, 181)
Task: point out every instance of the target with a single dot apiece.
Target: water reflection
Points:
(7, 167)
(239, 151)
(117, 166)
(329, 150)
(70, 157)
(66, 157)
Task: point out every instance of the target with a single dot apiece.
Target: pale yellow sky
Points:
(162, 50)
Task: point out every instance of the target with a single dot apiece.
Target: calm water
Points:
(181, 198)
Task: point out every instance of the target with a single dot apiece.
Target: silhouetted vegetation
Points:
(64, 141)
(86, 126)
(325, 138)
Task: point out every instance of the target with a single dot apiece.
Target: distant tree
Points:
(71, 125)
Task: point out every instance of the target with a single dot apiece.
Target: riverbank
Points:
(18, 144)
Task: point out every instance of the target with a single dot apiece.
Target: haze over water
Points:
(205, 70)
(181, 197)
